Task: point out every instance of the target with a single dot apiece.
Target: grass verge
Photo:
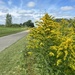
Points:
(10, 59)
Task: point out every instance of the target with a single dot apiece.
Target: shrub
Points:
(51, 52)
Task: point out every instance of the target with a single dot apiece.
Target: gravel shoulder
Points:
(6, 41)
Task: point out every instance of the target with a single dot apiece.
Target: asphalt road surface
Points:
(6, 41)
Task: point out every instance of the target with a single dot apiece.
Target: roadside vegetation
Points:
(49, 49)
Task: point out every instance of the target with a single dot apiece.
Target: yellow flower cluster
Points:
(69, 41)
(59, 53)
(53, 47)
(41, 44)
(51, 54)
(66, 53)
(59, 62)
(48, 29)
(51, 40)
(30, 53)
(52, 31)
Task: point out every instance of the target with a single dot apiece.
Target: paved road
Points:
(10, 39)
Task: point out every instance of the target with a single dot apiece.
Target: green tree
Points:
(28, 23)
(8, 20)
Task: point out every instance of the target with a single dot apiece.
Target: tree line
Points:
(9, 23)
(29, 23)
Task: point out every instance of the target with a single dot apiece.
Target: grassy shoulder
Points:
(10, 59)
(10, 30)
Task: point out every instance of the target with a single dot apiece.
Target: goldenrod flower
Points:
(30, 53)
(47, 29)
(59, 54)
(69, 40)
(60, 48)
(48, 37)
(52, 31)
(41, 44)
(65, 47)
(59, 61)
(51, 54)
(66, 53)
(53, 47)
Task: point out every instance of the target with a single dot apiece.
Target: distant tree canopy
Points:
(16, 25)
(60, 19)
(28, 23)
(8, 20)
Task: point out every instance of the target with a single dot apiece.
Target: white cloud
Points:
(3, 11)
(2, 14)
(31, 4)
(65, 8)
(25, 11)
(64, 16)
(19, 15)
(61, 13)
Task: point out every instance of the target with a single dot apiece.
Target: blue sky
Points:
(23, 10)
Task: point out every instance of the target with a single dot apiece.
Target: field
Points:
(10, 30)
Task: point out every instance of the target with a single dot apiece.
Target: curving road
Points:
(10, 39)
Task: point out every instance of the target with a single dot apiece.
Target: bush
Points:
(50, 52)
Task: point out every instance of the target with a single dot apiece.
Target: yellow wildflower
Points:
(60, 48)
(69, 40)
(58, 62)
(41, 44)
(52, 31)
(31, 34)
(51, 54)
(48, 37)
(30, 53)
(59, 54)
(66, 53)
(53, 47)
(66, 47)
